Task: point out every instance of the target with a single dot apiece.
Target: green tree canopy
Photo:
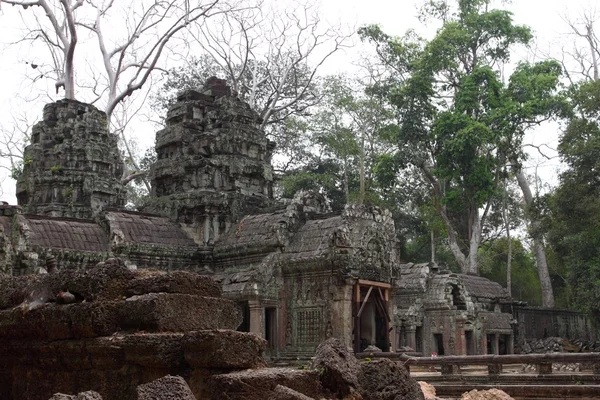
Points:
(460, 124)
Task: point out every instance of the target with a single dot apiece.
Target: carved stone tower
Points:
(72, 167)
(213, 162)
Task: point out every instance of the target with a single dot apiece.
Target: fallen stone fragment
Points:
(428, 390)
(166, 388)
(338, 368)
(491, 394)
(224, 349)
(259, 384)
(386, 380)
(89, 395)
(285, 393)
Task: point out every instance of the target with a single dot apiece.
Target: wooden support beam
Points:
(363, 282)
(364, 303)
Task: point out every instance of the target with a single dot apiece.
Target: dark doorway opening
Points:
(271, 327)
(438, 342)
(371, 317)
(245, 325)
(491, 344)
(470, 343)
(504, 344)
(419, 339)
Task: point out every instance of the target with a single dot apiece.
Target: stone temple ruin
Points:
(298, 272)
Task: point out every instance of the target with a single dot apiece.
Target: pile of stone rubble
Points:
(556, 345)
(114, 334)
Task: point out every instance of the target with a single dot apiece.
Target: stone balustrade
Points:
(451, 365)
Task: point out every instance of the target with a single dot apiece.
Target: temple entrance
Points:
(470, 343)
(438, 344)
(371, 316)
(504, 344)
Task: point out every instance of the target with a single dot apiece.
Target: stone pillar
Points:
(450, 369)
(544, 368)
(496, 343)
(256, 318)
(494, 369)
(341, 313)
(460, 346)
(411, 336)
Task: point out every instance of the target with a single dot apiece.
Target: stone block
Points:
(386, 380)
(285, 393)
(89, 395)
(175, 282)
(155, 312)
(260, 384)
(165, 388)
(224, 349)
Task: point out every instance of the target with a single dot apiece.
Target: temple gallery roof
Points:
(148, 229)
(64, 233)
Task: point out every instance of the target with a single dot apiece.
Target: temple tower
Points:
(72, 167)
(213, 162)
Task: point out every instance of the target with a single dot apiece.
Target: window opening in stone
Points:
(245, 325)
(271, 327)
(457, 299)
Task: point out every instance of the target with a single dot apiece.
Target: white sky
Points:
(543, 16)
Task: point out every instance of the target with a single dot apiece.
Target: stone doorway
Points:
(371, 315)
(470, 343)
(271, 328)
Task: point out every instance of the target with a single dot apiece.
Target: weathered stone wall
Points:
(539, 323)
(72, 167)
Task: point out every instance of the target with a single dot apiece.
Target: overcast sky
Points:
(395, 16)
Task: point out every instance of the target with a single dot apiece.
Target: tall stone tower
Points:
(213, 162)
(72, 167)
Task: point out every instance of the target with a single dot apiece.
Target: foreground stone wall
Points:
(110, 329)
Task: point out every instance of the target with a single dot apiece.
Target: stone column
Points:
(411, 335)
(496, 343)
(256, 318)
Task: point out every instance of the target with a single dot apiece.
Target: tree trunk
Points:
(472, 265)
(361, 196)
(346, 188)
(538, 243)
(432, 246)
(505, 217)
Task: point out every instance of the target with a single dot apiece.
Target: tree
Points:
(271, 59)
(126, 56)
(460, 124)
(525, 284)
(573, 208)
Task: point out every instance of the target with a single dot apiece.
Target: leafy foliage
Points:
(460, 124)
(574, 207)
